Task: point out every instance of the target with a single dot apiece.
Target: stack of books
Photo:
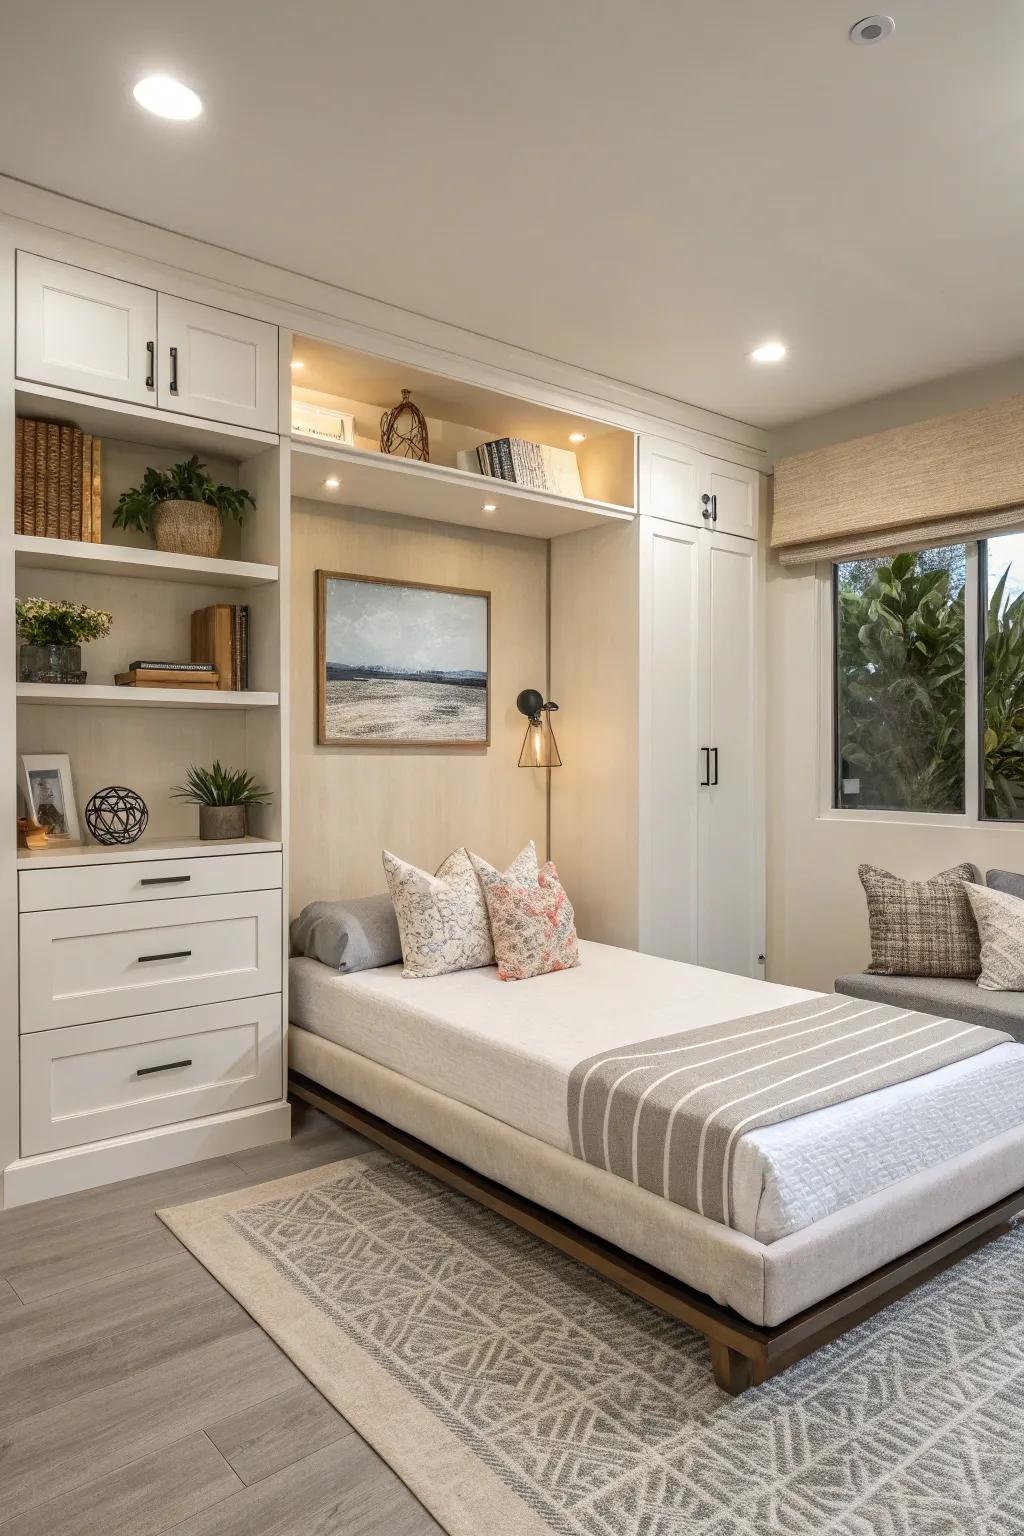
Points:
(533, 464)
(168, 674)
(56, 482)
(220, 637)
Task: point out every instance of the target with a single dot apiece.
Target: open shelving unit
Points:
(35, 554)
(84, 695)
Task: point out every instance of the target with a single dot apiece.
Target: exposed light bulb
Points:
(167, 98)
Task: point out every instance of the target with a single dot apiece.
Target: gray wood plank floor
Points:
(138, 1398)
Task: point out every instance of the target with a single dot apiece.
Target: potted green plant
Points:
(182, 507)
(223, 796)
(52, 634)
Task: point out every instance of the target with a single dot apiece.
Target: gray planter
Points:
(50, 664)
(217, 821)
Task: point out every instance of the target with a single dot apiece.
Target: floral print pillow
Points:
(532, 923)
(442, 918)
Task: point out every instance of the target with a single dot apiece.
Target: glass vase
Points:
(50, 664)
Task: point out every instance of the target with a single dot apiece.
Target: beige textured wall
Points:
(349, 803)
(817, 920)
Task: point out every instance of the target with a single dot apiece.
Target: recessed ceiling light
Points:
(332, 482)
(297, 363)
(577, 437)
(872, 29)
(490, 506)
(769, 352)
(167, 98)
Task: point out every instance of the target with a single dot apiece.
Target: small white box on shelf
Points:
(322, 423)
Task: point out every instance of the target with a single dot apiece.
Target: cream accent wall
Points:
(594, 681)
(817, 918)
(349, 803)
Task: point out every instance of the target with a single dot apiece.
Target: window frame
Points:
(972, 817)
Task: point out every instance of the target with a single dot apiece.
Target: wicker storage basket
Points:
(187, 528)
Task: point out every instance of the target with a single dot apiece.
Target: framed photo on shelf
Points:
(401, 663)
(45, 783)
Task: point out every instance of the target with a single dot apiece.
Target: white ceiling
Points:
(647, 188)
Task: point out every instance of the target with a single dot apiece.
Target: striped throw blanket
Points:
(668, 1113)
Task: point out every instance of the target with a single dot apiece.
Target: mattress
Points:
(507, 1049)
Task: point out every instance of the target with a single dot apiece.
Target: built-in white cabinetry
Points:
(84, 331)
(657, 821)
(684, 485)
(81, 330)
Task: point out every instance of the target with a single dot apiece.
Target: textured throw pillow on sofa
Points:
(1000, 919)
(922, 927)
(532, 923)
(442, 918)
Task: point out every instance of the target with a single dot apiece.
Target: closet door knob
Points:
(708, 510)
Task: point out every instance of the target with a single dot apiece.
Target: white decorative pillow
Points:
(1000, 919)
(442, 918)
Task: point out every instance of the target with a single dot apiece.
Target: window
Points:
(927, 643)
(1002, 712)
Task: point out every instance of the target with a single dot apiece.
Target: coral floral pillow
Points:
(533, 925)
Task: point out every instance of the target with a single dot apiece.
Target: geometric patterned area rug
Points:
(518, 1394)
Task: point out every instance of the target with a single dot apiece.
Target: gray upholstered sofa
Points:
(951, 998)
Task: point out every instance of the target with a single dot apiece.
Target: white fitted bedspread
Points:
(507, 1049)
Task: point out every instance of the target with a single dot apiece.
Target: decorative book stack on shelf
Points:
(169, 674)
(531, 464)
(57, 481)
(220, 638)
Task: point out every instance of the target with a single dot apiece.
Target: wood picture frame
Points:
(44, 779)
(463, 693)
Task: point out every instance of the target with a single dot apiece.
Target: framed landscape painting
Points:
(401, 664)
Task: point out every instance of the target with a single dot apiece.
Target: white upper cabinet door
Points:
(735, 494)
(731, 910)
(218, 365)
(671, 479)
(81, 330)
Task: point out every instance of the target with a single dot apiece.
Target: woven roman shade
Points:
(948, 478)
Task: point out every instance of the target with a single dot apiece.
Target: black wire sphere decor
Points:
(116, 815)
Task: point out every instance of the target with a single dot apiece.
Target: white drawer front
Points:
(79, 965)
(92, 885)
(123, 1075)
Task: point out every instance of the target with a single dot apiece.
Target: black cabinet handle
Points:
(714, 754)
(173, 954)
(165, 1066)
(151, 375)
(166, 880)
(706, 767)
(173, 386)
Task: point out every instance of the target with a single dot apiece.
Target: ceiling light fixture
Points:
(332, 483)
(167, 98)
(769, 352)
(872, 29)
(577, 437)
(490, 506)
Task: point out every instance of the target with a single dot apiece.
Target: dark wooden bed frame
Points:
(742, 1354)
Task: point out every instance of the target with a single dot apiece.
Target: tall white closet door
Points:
(668, 727)
(731, 906)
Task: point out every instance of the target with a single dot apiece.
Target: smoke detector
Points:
(872, 29)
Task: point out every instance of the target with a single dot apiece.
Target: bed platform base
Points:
(743, 1355)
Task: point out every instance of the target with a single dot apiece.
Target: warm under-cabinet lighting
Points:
(577, 437)
(540, 749)
(167, 98)
(769, 352)
(490, 506)
(297, 363)
(332, 482)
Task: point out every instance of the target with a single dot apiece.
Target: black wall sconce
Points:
(540, 749)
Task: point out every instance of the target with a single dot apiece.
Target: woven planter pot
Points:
(217, 821)
(187, 528)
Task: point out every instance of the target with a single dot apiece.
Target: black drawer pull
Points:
(166, 880)
(173, 386)
(165, 1066)
(172, 954)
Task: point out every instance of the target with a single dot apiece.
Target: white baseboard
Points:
(126, 1157)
